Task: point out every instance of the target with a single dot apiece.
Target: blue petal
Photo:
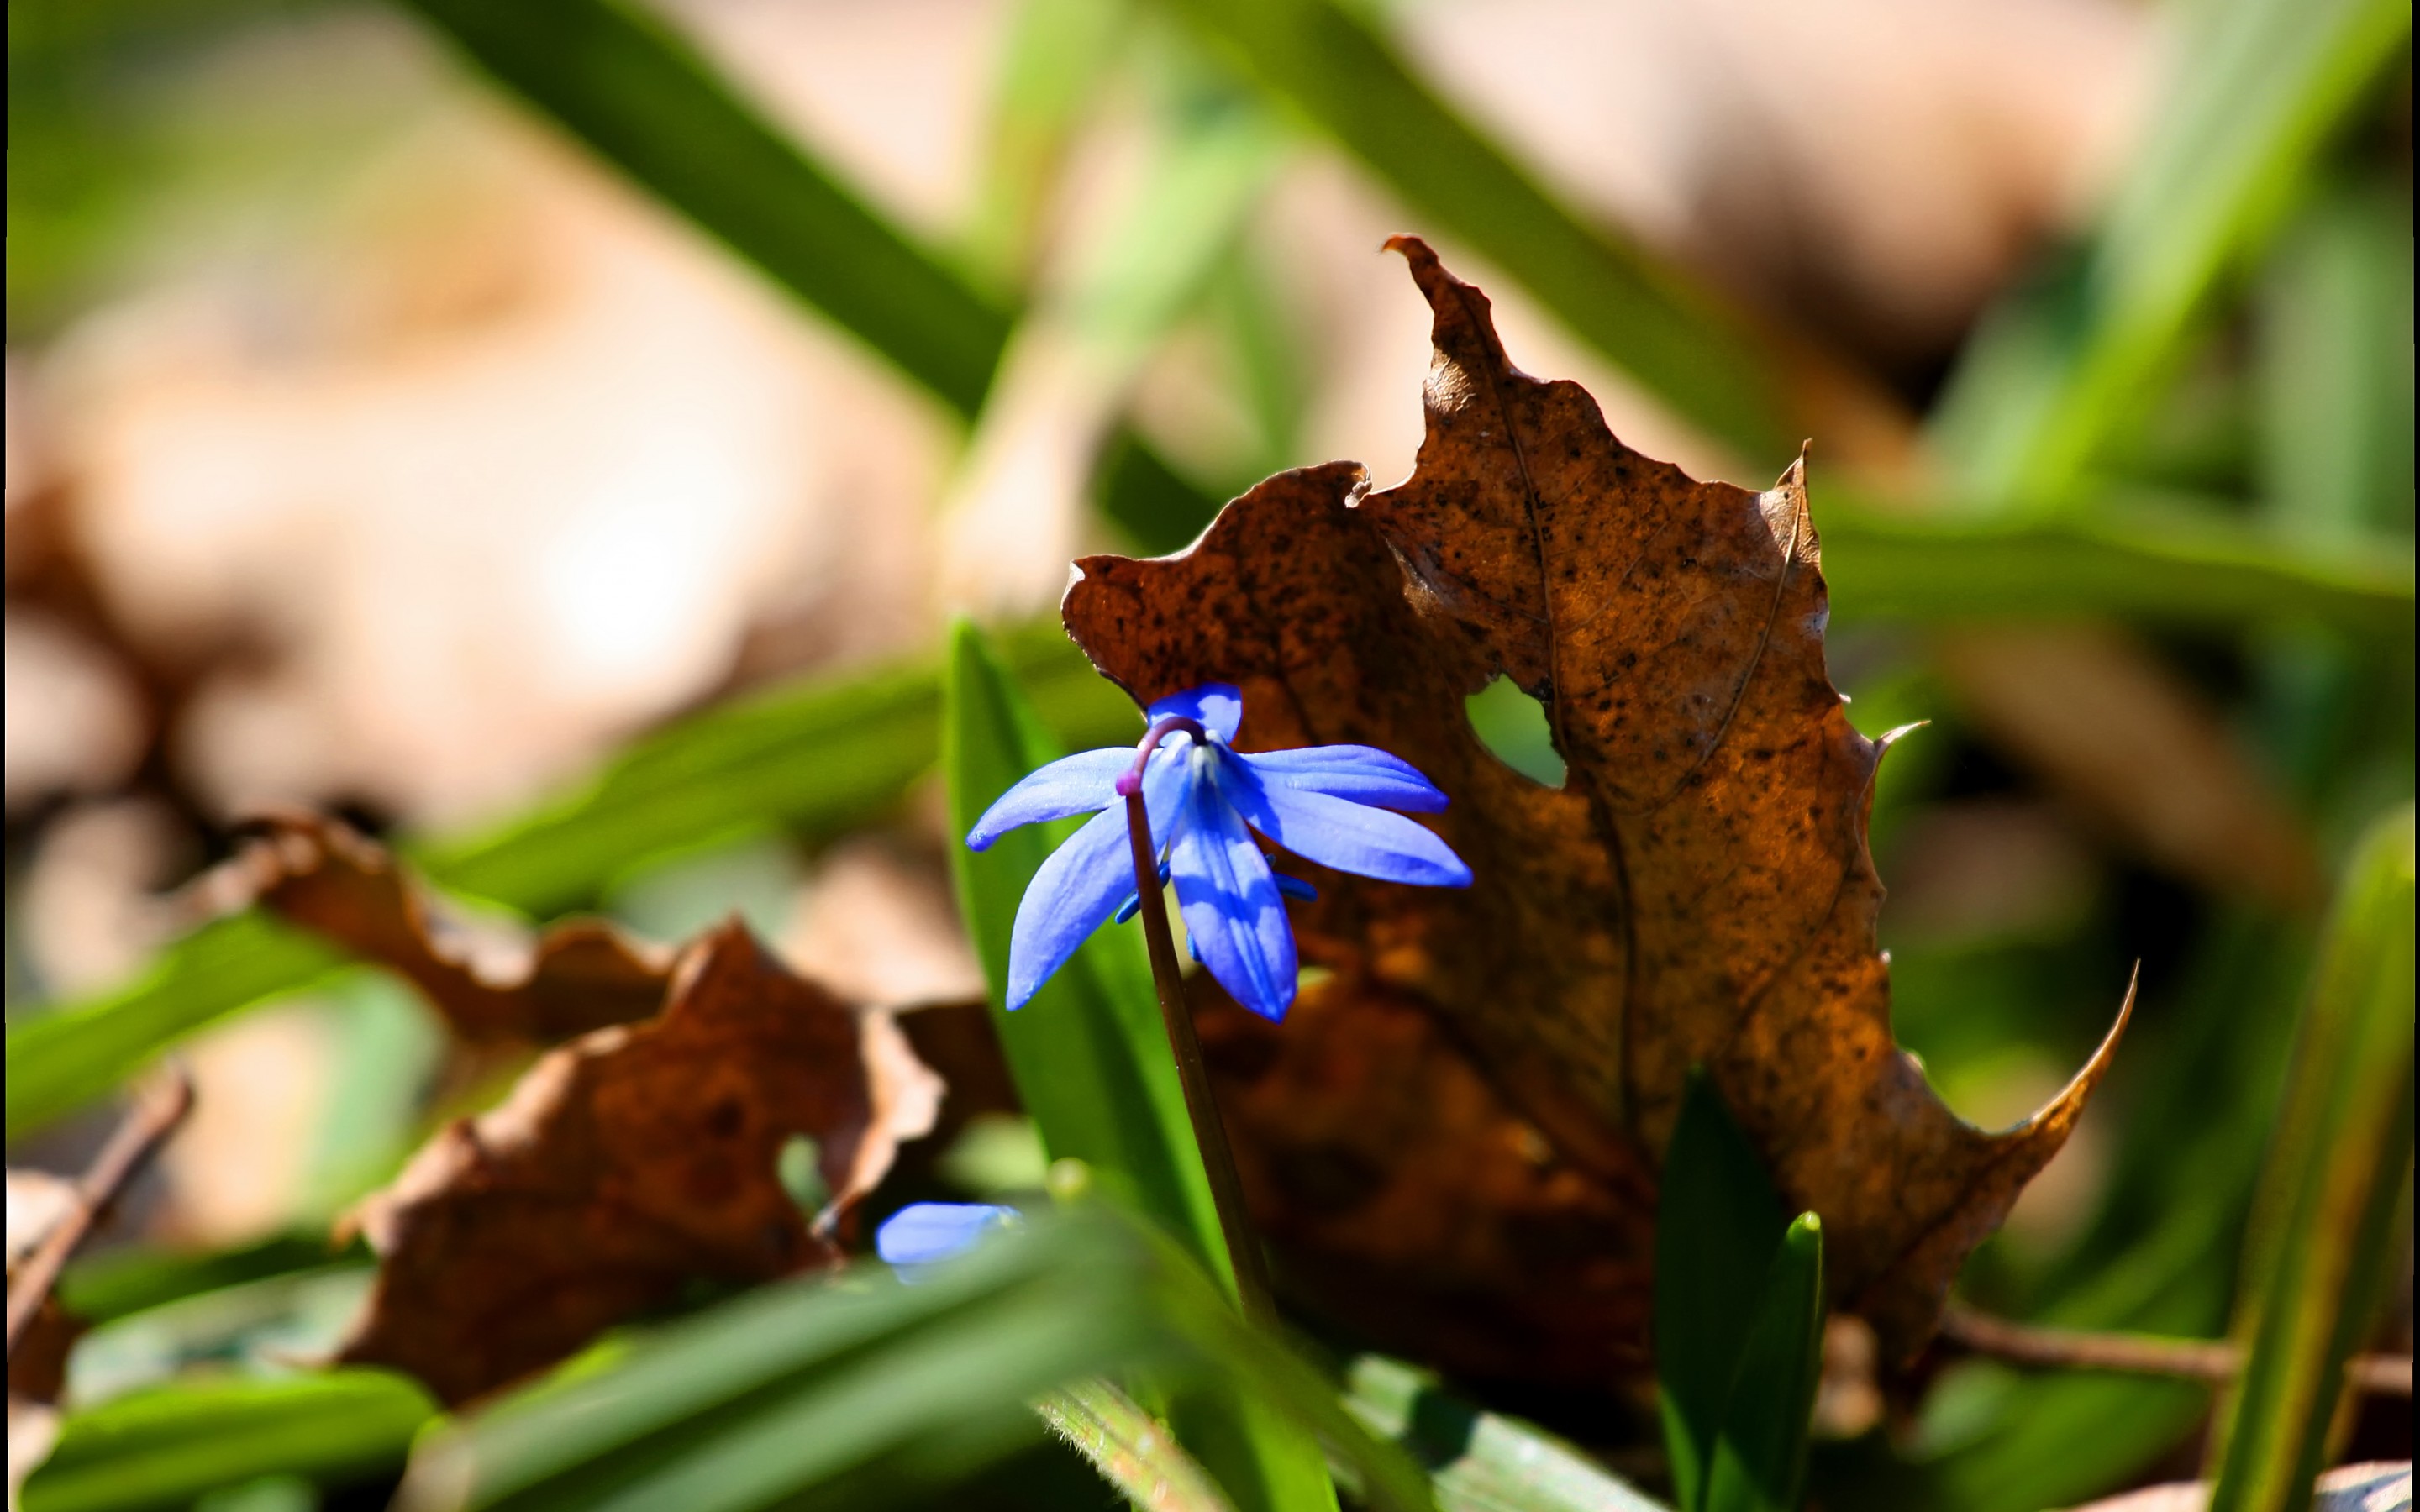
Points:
(1081, 784)
(1219, 706)
(1082, 882)
(1369, 842)
(923, 1232)
(1234, 914)
(1068, 897)
(1363, 774)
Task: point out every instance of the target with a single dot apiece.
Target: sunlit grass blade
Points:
(2170, 565)
(863, 1391)
(1129, 1447)
(808, 760)
(2256, 90)
(2324, 1224)
(2333, 322)
(1206, 152)
(626, 84)
(1091, 1057)
(1717, 1226)
(164, 1446)
(1759, 1460)
(643, 97)
(114, 1282)
(1089, 1053)
(1677, 340)
(1053, 62)
(62, 1059)
(1477, 1460)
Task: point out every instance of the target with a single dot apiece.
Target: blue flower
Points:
(1325, 803)
(923, 1232)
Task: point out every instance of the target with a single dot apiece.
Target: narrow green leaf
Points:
(65, 1058)
(1759, 1461)
(1130, 1448)
(625, 84)
(811, 759)
(2256, 91)
(1477, 1460)
(112, 1283)
(1091, 1057)
(2165, 564)
(162, 1447)
(1056, 57)
(2333, 345)
(1089, 1053)
(1717, 1224)
(1677, 339)
(641, 96)
(1210, 151)
(862, 1391)
(2325, 1218)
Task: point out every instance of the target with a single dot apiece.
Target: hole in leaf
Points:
(1513, 725)
(801, 1172)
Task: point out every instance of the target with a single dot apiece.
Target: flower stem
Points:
(1218, 1160)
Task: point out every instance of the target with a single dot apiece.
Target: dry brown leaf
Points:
(318, 872)
(1700, 892)
(630, 1162)
(1414, 1203)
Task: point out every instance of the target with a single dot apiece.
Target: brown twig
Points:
(138, 1137)
(2141, 1354)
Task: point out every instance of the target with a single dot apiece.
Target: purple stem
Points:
(1130, 781)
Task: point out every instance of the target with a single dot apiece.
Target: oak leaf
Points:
(1700, 891)
(318, 873)
(638, 1158)
(630, 1162)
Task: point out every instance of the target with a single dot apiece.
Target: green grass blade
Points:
(1717, 1226)
(863, 1391)
(162, 1447)
(2334, 344)
(113, 1282)
(1089, 1053)
(2256, 89)
(2324, 1222)
(814, 1382)
(1759, 1461)
(644, 102)
(812, 759)
(2165, 564)
(1056, 56)
(1091, 1057)
(1679, 341)
(643, 97)
(1129, 1447)
(66, 1058)
(1477, 1460)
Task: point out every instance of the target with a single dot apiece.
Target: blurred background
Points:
(415, 412)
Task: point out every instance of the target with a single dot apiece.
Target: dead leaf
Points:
(321, 873)
(632, 1161)
(1414, 1203)
(1700, 891)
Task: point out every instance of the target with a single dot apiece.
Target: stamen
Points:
(1130, 781)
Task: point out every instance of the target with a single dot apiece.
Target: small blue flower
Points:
(1327, 803)
(923, 1232)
